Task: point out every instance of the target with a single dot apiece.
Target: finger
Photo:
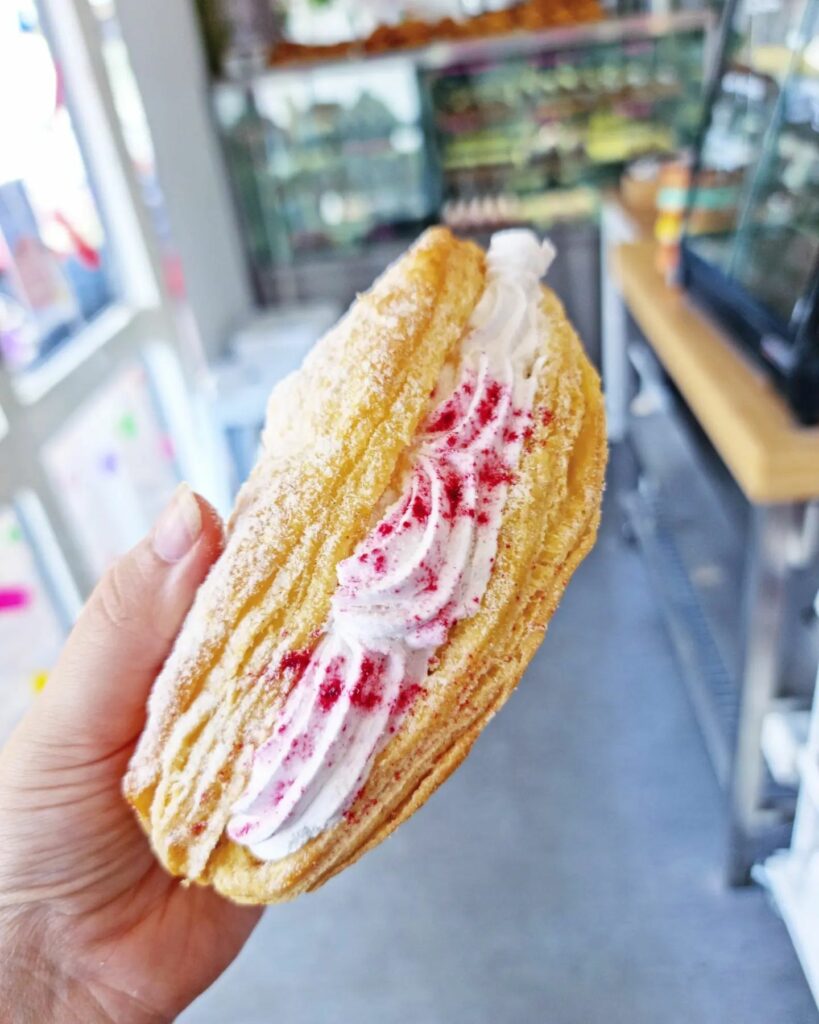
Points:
(98, 691)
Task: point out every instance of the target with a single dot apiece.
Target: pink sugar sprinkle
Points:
(280, 789)
(420, 509)
(332, 685)
(296, 661)
(494, 472)
(453, 489)
(407, 696)
(367, 693)
(429, 580)
(329, 692)
(443, 420)
(487, 407)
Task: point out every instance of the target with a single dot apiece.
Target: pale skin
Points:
(92, 929)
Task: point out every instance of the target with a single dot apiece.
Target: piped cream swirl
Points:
(423, 567)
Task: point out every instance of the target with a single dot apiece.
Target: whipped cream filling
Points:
(424, 566)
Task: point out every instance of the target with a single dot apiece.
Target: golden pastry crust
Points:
(336, 431)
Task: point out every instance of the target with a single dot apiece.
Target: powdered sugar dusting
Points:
(423, 567)
(370, 375)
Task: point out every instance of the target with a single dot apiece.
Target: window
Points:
(113, 466)
(30, 631)
(55, 265)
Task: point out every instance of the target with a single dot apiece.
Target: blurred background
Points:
(192, 192)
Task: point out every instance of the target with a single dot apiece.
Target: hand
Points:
(91, 927)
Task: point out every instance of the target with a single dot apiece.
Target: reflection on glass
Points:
(54, 263)
(114, 467)
(30, 632)
(763, 139)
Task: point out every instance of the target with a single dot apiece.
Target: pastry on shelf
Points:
(530, 16)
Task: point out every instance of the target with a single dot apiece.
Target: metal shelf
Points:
(713, 692)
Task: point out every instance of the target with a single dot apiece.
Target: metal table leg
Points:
(614, 229)
(763, 606)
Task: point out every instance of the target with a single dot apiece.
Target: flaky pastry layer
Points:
(335, 434)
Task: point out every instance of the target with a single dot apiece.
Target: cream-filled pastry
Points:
(428, 481)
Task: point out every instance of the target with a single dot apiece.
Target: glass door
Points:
(97, 359)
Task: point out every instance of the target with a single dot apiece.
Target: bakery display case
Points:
(326, 159)
(250, 36)
(571, 114)
(758, 268)
(341, 161)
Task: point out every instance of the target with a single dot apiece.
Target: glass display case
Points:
(330, 159)
(758, 267)
(326, 158)
(565, 116)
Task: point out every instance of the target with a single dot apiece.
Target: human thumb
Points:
(95, 699)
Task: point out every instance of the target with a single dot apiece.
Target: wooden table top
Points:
(772, 457)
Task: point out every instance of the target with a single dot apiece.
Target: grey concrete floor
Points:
(568, 873)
